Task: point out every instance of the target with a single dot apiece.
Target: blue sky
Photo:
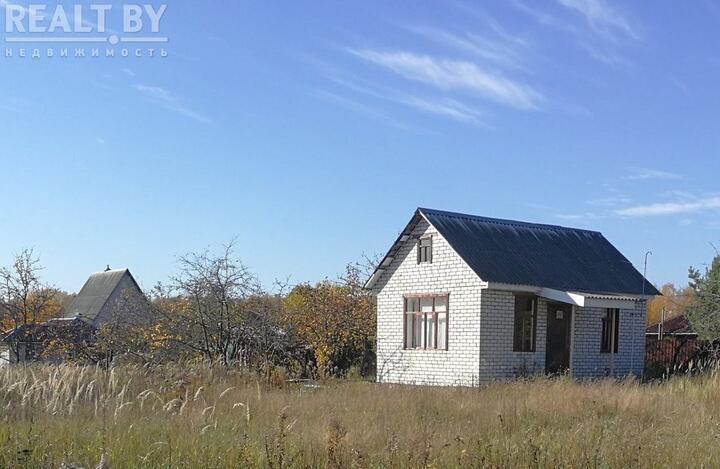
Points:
(311, 131)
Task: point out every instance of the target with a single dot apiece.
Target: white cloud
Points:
(645, 173)
(129, 72)
(671, 208)
(454, 75)
(495, 51)
(602, 40)
(602, 17)
(544, 18)
(169, 101)
(370, 111)
(444, 107)
(610, 201)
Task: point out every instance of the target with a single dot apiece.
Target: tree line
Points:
(212, 308)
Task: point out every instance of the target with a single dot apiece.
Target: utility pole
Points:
(644, 281)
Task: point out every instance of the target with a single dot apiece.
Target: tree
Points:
(704, 312)
(25, 300)
(336, 320)
(674, 301)
(214, 307)
(202, 303)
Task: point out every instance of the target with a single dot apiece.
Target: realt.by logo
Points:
(83, 23)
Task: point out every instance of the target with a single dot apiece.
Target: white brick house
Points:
(466, 300)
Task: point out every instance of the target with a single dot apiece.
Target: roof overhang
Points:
(390, 256)
(581, 299)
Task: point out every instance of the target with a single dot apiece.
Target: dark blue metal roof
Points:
(520, 253)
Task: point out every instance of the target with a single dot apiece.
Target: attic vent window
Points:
(425, 250)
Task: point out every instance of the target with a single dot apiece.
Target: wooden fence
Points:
(669, 354)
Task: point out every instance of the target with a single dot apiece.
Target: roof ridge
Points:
(502, 221)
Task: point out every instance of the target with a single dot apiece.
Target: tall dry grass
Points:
(200, 416)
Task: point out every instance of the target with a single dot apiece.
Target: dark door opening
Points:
(557, 350)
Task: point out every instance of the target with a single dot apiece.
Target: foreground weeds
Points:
(198, 416)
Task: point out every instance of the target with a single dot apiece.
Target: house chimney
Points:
(107, 268)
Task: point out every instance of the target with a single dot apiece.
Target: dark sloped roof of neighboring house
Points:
(520, 253)
(677, 325)
(95, 293)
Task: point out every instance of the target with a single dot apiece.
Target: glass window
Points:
(525, 324)
(425, 250)
(426, 322)
(610, 330)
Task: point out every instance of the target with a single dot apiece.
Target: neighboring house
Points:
(111, 296)
(467, 300)
(107, 295)
(670, 344)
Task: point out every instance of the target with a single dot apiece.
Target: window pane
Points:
(412, 305)
(440, 304)
(409, 330)
(418, 331)
(430, 330)
(426, 305)
(442, 331)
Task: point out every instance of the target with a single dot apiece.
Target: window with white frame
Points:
(426, 322)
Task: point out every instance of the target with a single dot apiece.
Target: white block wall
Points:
(497, 324)
(447, 274)
(588, 362)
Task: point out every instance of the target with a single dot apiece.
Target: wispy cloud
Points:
(444, 107)
(129, 72)
(369, 111)
(169, 101)
(455, 75)
(671, 208)
(602, 17)
(645, 174)
(602, 34)
(544, 18)
(611, 201)
(580, 216)
(499, 52)
(491, 24)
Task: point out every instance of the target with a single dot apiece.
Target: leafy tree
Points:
(336, 320)
(704, 312)
(674, 301)
(25, 300)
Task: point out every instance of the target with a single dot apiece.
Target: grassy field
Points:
(196, 416)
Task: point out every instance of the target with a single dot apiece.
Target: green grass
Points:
(198, 416)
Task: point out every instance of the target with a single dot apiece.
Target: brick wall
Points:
(588, 362)
(447, 274)
(497, 359)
